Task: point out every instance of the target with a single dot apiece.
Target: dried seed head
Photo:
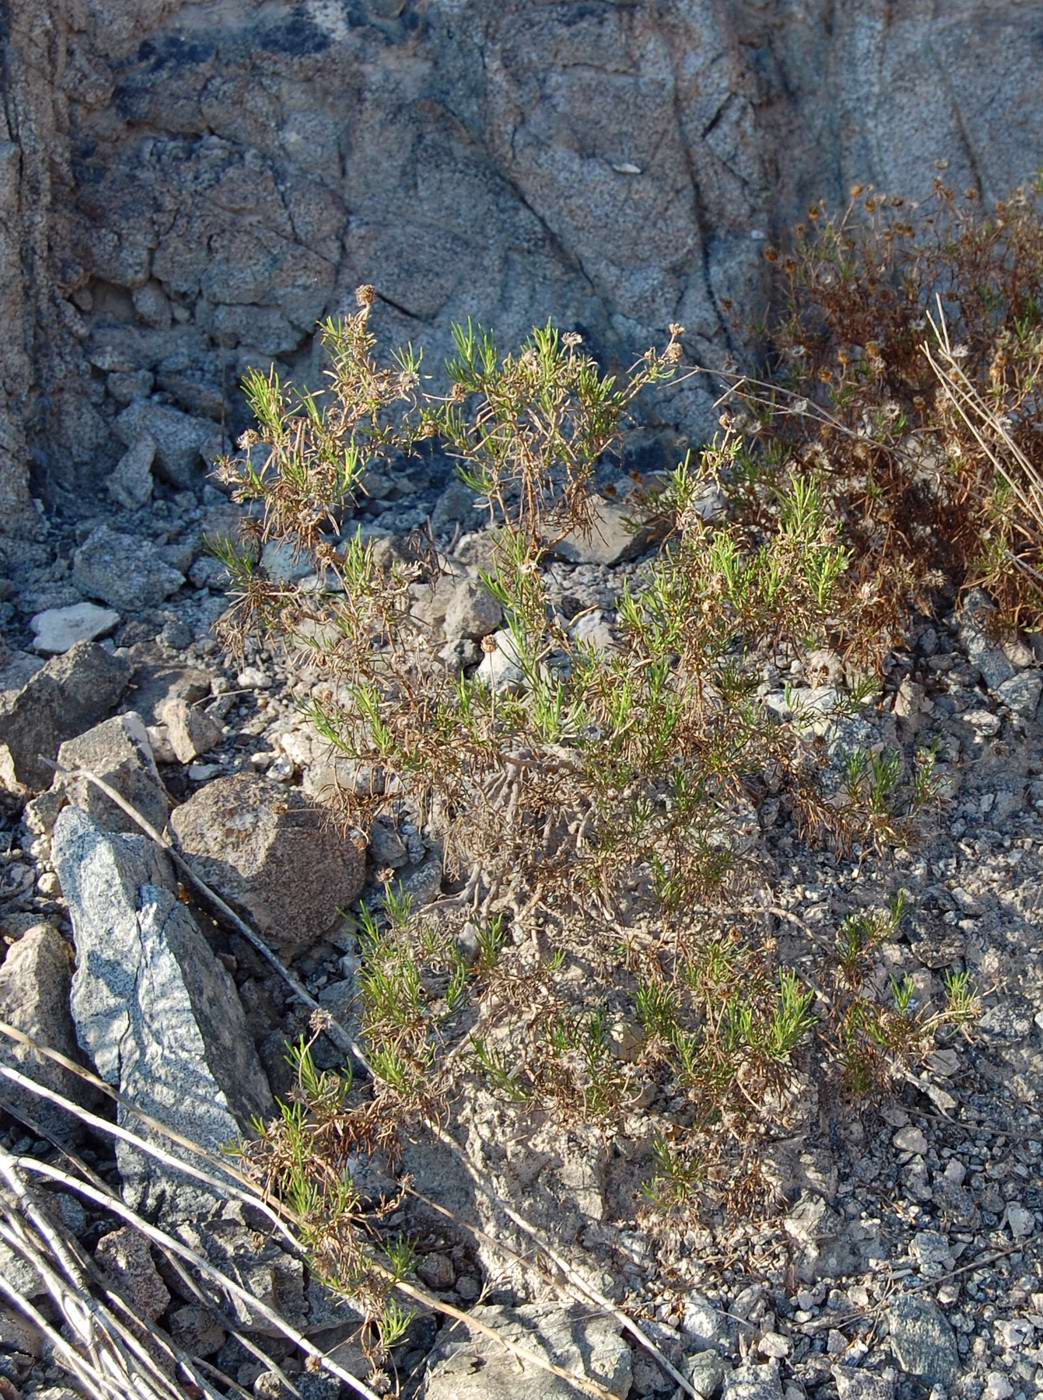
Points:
(489, 645)
(366, 295)
(320, 1021)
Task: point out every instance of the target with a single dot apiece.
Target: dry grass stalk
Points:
(76, 1300)
(583, 1291)
(991, 431)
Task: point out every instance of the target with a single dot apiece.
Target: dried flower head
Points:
(365, 295)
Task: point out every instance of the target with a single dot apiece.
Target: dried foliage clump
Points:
(905, 369)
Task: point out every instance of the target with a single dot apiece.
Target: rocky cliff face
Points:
(186, 187)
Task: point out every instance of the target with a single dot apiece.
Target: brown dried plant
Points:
(905, 366)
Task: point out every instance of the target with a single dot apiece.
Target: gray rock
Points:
(260, 1266)
(1021, 693)
(463, 1367)
(154, 1009)
(17, 667)
(196, 1331)
(614, 535)
(208, 572)
(125, 571)
(130, 485)
(707, 1372)
(922, 1340)
(705, 1325)
(184, 445)
(22, 1276)
(854, 1384)
(57, 630)
(593, 630)
(977, 635)
(285, 564)
(932, 1253)
(456, 506)
(273, 854)
(126, 1257)
(152, 685)
(59, 700)
(472, 612)
(1022, 1221)
(190, 730)
(750, 1382)
(20, 1343)
(34, 998)
(117, 751)
(910, 1139)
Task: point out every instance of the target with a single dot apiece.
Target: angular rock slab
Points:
(273, 854)
(182, 444)
(154, 1009)
(119, 752)
(57, 702)
(476, 1368)
(125, 571)
(57, 630)
(130, 485)
(190, 730)
(922, 1340)
(34, 998)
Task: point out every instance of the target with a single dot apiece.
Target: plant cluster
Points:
(603, 953)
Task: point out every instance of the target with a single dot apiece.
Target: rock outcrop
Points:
(185, 191)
